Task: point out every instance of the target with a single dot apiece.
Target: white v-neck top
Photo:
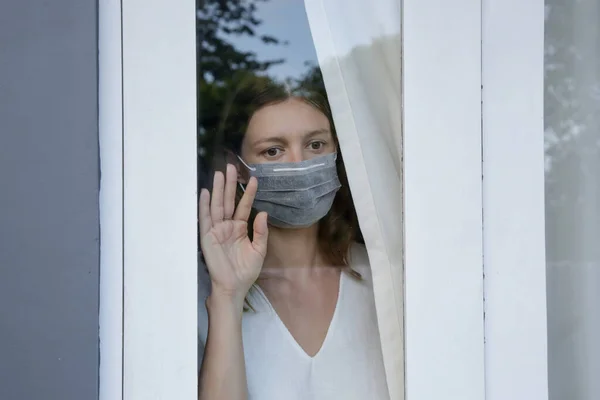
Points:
(349, 364)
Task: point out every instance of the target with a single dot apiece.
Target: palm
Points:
(233, 260)
(228, 245)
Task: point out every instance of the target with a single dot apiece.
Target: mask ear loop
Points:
(249, 168)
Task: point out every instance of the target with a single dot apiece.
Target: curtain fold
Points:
(359, 49)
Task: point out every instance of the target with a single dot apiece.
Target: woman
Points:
(309, 331)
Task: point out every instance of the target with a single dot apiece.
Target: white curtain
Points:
(359, 49)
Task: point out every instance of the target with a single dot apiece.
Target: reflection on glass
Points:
(241, 44)
(286, 300)
(572, 137)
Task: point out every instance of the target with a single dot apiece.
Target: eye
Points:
(316, 145)
(271, 152)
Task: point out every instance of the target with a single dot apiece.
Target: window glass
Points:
(284, 273)
(572, 150)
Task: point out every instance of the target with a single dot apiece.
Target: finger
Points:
(204, 212)
(216, 204)
(230, 188)
(261, 233)
(242, 213)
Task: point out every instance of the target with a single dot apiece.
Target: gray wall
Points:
(49, 178)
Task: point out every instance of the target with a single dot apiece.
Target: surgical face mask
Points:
(295, 194)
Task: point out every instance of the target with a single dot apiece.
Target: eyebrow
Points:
(316, 132)
(281, 139)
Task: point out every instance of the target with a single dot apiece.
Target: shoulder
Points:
(360, 291)
(358, 259)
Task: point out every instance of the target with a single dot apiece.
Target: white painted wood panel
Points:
(160, 207)
(443, 205)
(513, 200)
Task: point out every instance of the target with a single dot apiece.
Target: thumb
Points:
(261, 233)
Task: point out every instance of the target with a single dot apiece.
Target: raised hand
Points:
(234, 262)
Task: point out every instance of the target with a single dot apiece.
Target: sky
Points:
(345, 23)
(287, 21)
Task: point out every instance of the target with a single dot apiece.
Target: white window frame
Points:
(513, 200)
(148, 316)
(444, 335)
(466, 336)
(111, 200)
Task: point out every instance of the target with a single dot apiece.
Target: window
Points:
(540, 199)
(404, 84)
(572, 162)
(252, 57)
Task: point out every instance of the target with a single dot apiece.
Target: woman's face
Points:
(289, 131)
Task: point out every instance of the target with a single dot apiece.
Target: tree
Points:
(572, 128)
(217, 22)
(221, 67)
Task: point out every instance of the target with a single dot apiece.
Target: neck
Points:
(293, 248)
